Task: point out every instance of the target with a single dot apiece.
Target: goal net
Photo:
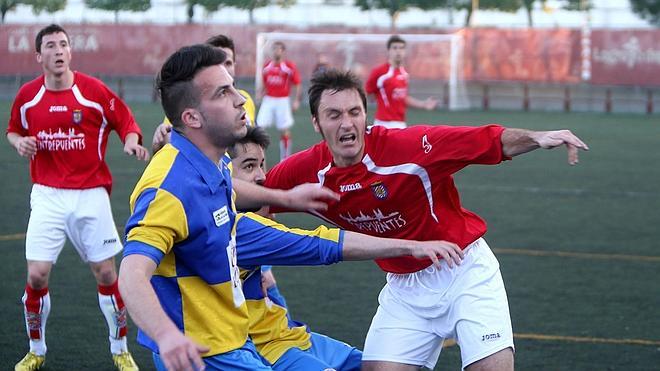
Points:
(433, 61)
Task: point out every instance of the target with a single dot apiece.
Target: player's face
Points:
(220, 113)
(229, 64)
(396, 53)
(249, 163)
(278, 52)
(342, 122)
(55, 55)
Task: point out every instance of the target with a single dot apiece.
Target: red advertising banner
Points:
(626, 57)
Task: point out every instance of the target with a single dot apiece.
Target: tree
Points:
(501, 5)
(251, 5)
(117, 5)
(648, 10)
(6, 6)
(393, 7)
(48, 6)
(529, 7)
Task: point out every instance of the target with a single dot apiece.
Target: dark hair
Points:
(395, 39)
(222, 41)
(334, 80)
(174, 82)
(276, 43)
(256, 135)
(50, 29)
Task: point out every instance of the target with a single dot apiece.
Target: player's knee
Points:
(37, 279)
(104, 272)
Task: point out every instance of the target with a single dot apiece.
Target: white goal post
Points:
(434, 61)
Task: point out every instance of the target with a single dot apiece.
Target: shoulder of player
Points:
(30, 89)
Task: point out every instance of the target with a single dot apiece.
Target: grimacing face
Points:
(249, 163)
(342, 122)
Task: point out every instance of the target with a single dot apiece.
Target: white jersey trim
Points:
(407, 168)
(31, 104)
(380, 83)
(88, 103)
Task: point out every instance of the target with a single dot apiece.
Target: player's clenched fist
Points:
(179, 353)
(26, 146)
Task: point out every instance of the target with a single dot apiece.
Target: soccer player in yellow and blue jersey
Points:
(179, 277)
(286, 344)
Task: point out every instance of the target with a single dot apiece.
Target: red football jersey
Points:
(403, 187)
(390, 86)
(277, 78)
(72, 128)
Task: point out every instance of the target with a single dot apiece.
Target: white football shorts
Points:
(275, 110)
(391, 124)
(418, 311)
(82, 215)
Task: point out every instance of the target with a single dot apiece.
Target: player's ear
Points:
(38, 56)
(191, 118)
(315, 123)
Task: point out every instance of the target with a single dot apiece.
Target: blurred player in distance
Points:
(398, 183)
(61, 122)
(322, 64)
(278, 74)
(226, 44)
(388, 83)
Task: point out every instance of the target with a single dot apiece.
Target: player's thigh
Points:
(481, 309)
(500, 361)
(296, 359)
(46, 235)
(335, 353)
(92, 228)
(242, 359)
(398, 335)
(283, 115)
(266, 114)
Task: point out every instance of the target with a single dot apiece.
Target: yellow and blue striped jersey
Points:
(184, 219)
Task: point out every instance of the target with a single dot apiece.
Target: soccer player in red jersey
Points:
(398, 183)
(388, 82)
(278, 75)
(61, 122)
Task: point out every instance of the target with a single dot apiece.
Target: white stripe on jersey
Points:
(380, 83)
(407, 168)
(88, 103)
(31, 104)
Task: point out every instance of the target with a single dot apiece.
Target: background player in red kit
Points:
(398, 183)
(278, 75)
(61, 122)
(389, 84)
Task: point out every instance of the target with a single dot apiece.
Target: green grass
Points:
(608, 204)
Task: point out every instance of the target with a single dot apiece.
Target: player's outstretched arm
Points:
(428, 104)
(519, 141)
(161, 136)
(132, 147)
(177, 351)
(25, 146)
(358, 246)
(304, 197)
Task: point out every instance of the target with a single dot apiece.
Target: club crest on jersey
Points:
(77, 116)
(379, 190)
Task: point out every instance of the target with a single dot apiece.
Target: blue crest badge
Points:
(379, 190)
(77, 116)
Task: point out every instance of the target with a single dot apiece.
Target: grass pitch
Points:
(578, 248)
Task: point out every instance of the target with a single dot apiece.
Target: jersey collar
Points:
(214, 175)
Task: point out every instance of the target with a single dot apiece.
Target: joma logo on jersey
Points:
(58, 109)
(379, 190)
(350, 187)
(493, 336)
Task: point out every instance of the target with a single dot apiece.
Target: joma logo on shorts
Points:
(112, 240)
(493, 336)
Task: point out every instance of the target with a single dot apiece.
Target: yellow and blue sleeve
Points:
(263, 241)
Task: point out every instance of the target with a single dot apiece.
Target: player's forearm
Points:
(519, 141)
(414, 102)
(298, 92)
(358, 246)
(132, 139)
(13, 139)
(140, 297)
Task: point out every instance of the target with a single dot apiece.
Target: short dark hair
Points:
(222, 41)
(395, 39)
(50, 29)
(174, 82)
(256, 135)
(334, 80)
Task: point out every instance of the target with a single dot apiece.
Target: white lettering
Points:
(630, 54)
(60, 140)
(350, 187)
(58, 109)
(18, 44)
(378, 223)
